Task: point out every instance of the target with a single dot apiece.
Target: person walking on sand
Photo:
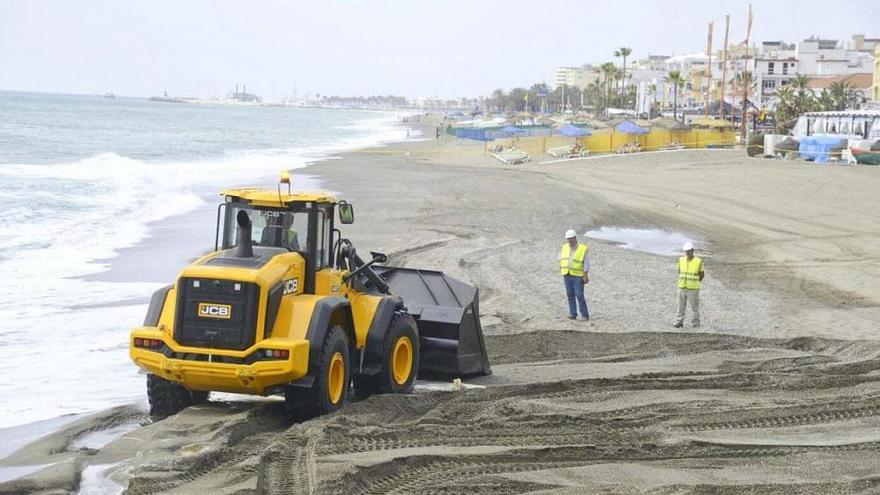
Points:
(574, 265)
(690, 277)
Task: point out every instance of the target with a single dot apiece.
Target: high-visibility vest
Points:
(577, 260)
(689, 272)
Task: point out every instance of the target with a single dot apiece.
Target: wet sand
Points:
(777, 392)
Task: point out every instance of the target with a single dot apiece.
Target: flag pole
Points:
(724, 67)
(745, 79)
(709, 72)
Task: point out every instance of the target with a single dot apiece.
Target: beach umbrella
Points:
(630, 127)
(669, 124)
(473, 134)
(573, 131)
(707, 123)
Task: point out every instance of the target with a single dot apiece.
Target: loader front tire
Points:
(400, 360)
(167, 398)
(330, 389)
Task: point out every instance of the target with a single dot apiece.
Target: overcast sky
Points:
(405, 47)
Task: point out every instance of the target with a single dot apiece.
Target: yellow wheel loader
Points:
(285, 305)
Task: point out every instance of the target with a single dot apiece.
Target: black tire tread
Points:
(383, 383)
(305, 403)
(166, 398)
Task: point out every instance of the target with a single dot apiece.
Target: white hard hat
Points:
(570, 233)
(688, 246)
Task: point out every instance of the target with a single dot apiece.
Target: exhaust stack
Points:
(243, 248)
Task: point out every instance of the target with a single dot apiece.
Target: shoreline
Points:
(767, 344)
(110, 296)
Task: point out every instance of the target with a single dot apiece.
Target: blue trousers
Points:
(574, 289)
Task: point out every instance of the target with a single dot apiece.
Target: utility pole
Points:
(709, 72)
(724, 67)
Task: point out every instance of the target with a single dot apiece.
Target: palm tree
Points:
(623, 52)
(676, 80)
(593, 94)
(804, 98)
(498, 99)
(844, 95)
(607, 70)
(825, 101)
(653, 89)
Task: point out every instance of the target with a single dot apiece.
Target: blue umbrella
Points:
(629, 127)
(473, 134)
(573, 131)
(513, 131)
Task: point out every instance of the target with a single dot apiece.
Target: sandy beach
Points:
(777, 392)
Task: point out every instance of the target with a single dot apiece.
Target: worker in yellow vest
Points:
(575, 268)
(690, 278)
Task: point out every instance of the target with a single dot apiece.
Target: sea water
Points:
(654, 241)
(81, 179)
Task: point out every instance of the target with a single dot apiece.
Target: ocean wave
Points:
(67, 220)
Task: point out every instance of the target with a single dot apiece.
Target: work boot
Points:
(677, 324)
(585, 318)
(571, 317)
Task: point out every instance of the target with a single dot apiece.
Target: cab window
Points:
(269, 228)
(322, 253)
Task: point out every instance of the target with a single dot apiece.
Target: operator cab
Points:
(291, 222)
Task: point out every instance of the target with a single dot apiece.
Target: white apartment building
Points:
(820, 57)
(579, 77)
(778, 63)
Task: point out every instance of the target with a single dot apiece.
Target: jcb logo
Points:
(221, 311)
(291, 286)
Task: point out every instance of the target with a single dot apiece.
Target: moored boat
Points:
(866, 157)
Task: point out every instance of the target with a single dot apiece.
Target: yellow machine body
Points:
(228, 370)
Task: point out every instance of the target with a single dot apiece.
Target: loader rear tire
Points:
(199, 396)
(331, 386)
(400, 361)
(167, 398)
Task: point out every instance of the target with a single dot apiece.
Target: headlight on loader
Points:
(276, 354)
(149, 344)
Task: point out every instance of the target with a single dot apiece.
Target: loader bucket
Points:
(448, 316)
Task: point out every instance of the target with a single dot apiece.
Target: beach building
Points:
(650, 85)
(693, 68)
(777, 63)
(651, 63)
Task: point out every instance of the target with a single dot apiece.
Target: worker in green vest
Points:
(290, 239)
(575, 268)
(279, 232)
(690, 278)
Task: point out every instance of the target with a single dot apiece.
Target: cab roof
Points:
(269, 197)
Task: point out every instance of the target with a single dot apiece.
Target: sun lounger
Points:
(560, 152)
(512, 156)
(672, 145)
(568, 152)
(629, 148)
